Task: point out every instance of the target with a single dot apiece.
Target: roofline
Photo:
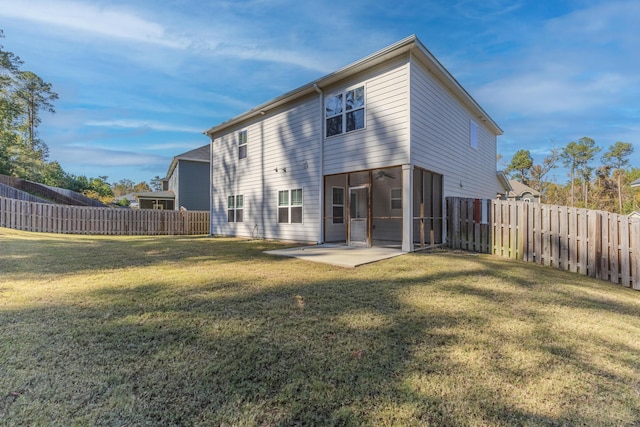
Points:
(175, 159)
(405, 45)
(504, 181)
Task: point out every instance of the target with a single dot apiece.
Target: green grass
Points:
(209, 331)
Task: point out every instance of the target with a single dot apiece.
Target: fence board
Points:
(595, 243)
(42, 217)
(634, 256)
(613, 249)
(625, 273)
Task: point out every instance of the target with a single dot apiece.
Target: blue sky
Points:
(140, 81)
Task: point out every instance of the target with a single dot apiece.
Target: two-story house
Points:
(363, 156)
(188, 179)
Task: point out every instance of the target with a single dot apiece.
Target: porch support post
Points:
(407, 208)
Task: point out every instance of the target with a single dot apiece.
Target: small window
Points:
(354, 101)
(242, 144)
(235, 208)
(283, 207)
(296, 206)
(290, 206)
(239, 208)
(396, 198)
(473, 134)
(345, 112)
(333, 109)
(338, 205)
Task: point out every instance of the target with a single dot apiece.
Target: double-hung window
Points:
(396, 198)
(235, 208)
(338, 205)
(473, 134)
(290, 206)
(242, 144)
(344, 112)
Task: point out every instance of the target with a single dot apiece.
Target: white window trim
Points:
(235, 208)
(343, 113)
(241, 144)
(473, 134)
(289, 206)
(391, 198)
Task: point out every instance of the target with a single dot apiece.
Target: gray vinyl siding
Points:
(440, 139)
(193, 193)
(385, 139)
(285, 139)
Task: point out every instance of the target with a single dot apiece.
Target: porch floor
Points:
(339, 254)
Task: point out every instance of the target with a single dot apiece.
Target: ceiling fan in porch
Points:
(380, 175)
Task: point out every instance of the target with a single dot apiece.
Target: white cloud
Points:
(142, 124)
(223, 36)
(573, 65)
(542, 93)
(183, 146)
(102, 157)
(486, 9)
(93, 19)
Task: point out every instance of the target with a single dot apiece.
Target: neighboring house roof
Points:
(167, 195)
(519, 189)
(504, 181)
(636, 183)
(200, 154)
(410, 45)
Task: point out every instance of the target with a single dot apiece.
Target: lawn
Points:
(210, 331)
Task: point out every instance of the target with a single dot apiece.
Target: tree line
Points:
(601, 186)
(24, 97)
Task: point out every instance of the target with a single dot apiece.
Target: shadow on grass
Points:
(74, 254)
(343, 348)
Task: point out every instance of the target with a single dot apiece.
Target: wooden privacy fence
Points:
(594, 243)
(49, 218)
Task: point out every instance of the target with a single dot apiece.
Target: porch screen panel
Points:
(427, 208)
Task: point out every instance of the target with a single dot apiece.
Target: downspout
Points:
(210, 184)
(321, 165)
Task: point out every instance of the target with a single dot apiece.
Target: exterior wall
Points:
(440, 139)
(411, 119)
(288, 138)
(385, 139)
(173, 184)
(192, 192)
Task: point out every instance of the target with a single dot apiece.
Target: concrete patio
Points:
(339, 255)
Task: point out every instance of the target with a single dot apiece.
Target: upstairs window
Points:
(242, 144)
(235, 208)
(345, 112)
(473, 134)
